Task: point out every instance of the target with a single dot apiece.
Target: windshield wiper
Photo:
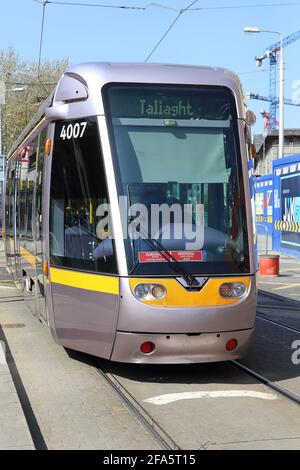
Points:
(191, 281)
(80, 227)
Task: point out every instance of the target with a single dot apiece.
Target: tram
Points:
(128, 215)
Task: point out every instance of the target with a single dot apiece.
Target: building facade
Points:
(267, 149)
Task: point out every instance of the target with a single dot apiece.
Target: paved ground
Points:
(14, 433)
(287, 284)
(194, 405)
(73, 406)
(66, 402)
(69, 406)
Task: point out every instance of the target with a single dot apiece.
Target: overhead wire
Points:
(169, 29)
(147, 6)
(41, 38)
(99, 5)
(158, 5)
(238, 7)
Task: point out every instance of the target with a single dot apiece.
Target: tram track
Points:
(277, 307)
(151, 421)
(282, 390)
(163, 439)
(283, 305)
(152, 425)
(282, 325)
(278, 388)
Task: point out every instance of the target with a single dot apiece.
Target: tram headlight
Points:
(158, 291)
(149, 291)
(232, 290)
(141, 291)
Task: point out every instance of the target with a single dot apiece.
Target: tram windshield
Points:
(178, 166)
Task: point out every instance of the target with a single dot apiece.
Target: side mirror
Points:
(57, 113)
(250, 117)
(70, 89)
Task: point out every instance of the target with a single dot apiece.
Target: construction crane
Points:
(266, 116)
(272, 54)
(256, 96)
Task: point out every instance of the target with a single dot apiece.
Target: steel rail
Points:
(282, 325)
(157, 432)
(278, 388)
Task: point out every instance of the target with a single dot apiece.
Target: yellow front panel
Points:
(87, 281)
(178, 296)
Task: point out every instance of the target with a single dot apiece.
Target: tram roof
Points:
(94, 75)
(152, 72)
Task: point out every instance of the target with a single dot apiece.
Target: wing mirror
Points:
(250, 117)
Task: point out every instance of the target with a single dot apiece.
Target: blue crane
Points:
(272, 54)
(256, 96)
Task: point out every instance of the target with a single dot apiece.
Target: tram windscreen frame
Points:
(150, 126)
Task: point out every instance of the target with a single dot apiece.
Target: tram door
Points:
(9, 215)
(39, 255)
(13, 221)
(17, 220)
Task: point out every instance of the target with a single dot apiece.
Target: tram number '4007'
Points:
(73, 131)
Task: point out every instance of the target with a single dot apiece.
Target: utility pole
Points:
(255, 29)
(2, 101)
(281, 100)
(0, 128)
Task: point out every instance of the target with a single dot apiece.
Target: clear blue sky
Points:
(206, 37)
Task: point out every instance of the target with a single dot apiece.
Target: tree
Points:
(25, 90)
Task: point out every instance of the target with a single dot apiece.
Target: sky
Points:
(211, 36)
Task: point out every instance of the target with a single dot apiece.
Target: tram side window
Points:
(78, 190)
(32, 153)
(10, 199)
(26, 177)
(39, 192)
(22, 199)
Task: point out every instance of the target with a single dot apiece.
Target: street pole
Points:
(2, 102)
(255, 29)
(0, 127)
(281, 101)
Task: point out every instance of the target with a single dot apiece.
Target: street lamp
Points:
(3, 92)
(22, 72)
(254, 29)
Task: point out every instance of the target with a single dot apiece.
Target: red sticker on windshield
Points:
(157, 257)
(152, 257)
(187, 255)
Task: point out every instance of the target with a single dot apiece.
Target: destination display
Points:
(161, 108)
(168, 102)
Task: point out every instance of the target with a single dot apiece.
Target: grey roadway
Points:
(75, 409)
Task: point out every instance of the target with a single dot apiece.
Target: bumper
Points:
(180, 348)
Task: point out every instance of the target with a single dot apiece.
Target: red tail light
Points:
(231, 344)
(147, 347)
